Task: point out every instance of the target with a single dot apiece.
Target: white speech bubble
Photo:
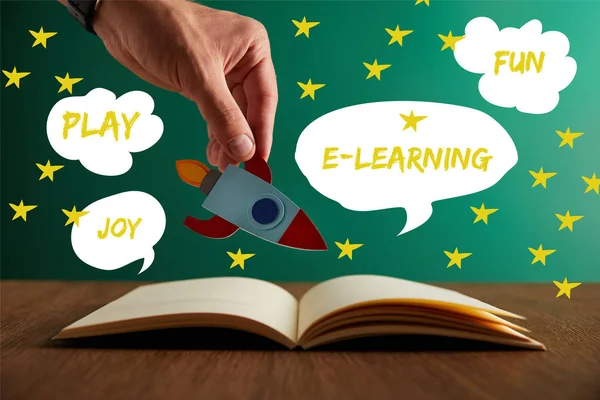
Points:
(533, 85)
(379, 125)
(115, 247)
(101, 131)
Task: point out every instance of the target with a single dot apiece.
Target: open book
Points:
(338, 309)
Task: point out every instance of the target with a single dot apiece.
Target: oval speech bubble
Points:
(118, 230)
(405, 154)
(101, 131)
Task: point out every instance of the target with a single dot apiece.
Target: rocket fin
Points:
(214, 228)
(259, 167)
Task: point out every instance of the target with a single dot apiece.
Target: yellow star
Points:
(397, 35)
(21, 210)
(540, 254)
(15, 77)
(375, 69)
(41, 37)
(483, 213)
(541, 177)
(347, 248)
(304, 27)
(450, 41)
(456, 258)
(411, 120)
(568, 137)
(565, 287)
(309, 88)
(593, 183)
(422, 1)
(239, 258)
(67, 83)
(74, 216)
(567, 220)
(48, 170)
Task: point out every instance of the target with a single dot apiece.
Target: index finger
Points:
(260, 87)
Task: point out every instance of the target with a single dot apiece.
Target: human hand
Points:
(218, 59)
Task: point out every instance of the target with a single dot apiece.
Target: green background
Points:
(350, 33)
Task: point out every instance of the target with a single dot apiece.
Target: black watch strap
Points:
(83, 12)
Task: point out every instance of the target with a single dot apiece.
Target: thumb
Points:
(224, 118)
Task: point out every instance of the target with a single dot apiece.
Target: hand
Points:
(218, 59)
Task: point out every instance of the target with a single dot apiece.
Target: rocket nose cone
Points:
(303, 234)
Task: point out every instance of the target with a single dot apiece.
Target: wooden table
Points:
(215, 364)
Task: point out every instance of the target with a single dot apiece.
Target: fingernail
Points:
(240, 146)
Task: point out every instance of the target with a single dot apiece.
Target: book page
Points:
(249, 298)
(518, 340)
(338, 293)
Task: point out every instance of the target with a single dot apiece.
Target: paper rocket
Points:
(245, 199)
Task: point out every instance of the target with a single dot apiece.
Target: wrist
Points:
(114, 15)
(107, 11)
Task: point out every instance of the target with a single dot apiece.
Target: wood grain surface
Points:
(220, 364)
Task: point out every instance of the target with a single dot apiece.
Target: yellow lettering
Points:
(117, 231)
(357, 164)
(398, 157)
(110, 122)
(484, 160)
(129, 123)
(377, 157)
(463, 160)
(532, 58)
(447, 159)
(133, 227)
(419, 159)
(328, 157)
(499, 60)
(102, 235)
(414, 153)
(429, 155)
(71, 119)
(84, 129)
(123, 229)
(520, 67)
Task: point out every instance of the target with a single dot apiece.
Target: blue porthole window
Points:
(266, 211)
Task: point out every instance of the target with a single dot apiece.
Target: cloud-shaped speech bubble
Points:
(522, 68)
(102, 131)
(118, 230)
(406, 154)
